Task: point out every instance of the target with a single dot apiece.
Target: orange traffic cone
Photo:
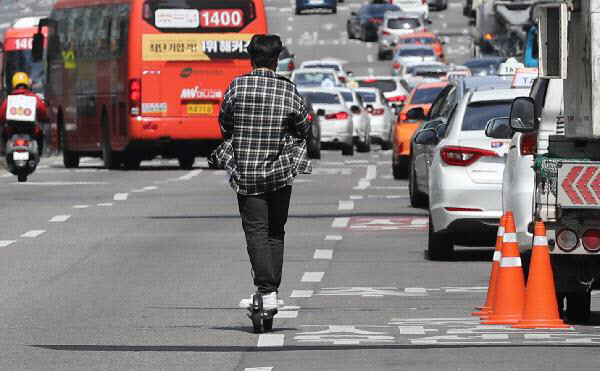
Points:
(509, 296)
(487, 308)
(541, 309)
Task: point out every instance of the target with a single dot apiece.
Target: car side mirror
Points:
(426, 137)
(416, 113)
(321, 112)
(498, 128)
(434, 123)
(441, 130)
(523, 117)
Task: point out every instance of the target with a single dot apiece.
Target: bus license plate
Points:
(20, 156)
(200, 109)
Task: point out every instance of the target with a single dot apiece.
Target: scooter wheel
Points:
(21, 178)
(268, 324)
(257, 323)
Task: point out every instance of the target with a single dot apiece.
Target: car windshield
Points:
(402, 23)
(378, 10)
(417, 40)
(348, 97)
(383, 85)
(367, 97)
(314, 79)
(322, 65)
(411, 69)
(415, 52)
(478, 114)
(425, 96)
(482, 66)
(322, 98)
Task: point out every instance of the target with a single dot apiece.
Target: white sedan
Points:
(360, 118)
(380, 114)
(465, 177)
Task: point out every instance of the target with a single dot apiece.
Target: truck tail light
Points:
(135, 97)
(528, 144)
(396, 66)
(337, 116)
(567, 240)
(464, 156)
(591, 240)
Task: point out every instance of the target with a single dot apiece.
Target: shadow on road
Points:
(468, 255)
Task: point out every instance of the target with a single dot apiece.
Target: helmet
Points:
(20, 78)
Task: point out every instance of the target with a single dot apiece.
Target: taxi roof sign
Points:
(524, 77)
(509, 67)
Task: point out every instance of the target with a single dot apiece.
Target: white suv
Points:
(396, 24)
(417, 6)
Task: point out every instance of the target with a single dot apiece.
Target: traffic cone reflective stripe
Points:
(541, 309)
(489, 302)
(509, 297)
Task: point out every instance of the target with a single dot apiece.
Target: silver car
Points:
(394, 25)
(286, 63)
(360, 118)
(381, 116)
(337, 127)
(412, 54)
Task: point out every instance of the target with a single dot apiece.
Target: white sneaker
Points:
(270, 301)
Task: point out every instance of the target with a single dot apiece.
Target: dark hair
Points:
(264, 50)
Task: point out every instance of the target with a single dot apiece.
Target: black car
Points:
(314, 136)
(364, 23)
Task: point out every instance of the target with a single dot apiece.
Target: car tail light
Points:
(377, 111)
(461, 209)
(400, 98)
(310, 117)
(396, 65)
(528, 144)
(135, 96)
(291, 66)
(369, 80)
(591, 240)
(337, 116)
(21, 142)
(567, 240)
(342, 79)
(403, 117)
(488, 36)
(356, 110)
(385, 33)
(375, 20)
(464, 156)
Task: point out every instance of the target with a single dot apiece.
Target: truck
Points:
(567, 177)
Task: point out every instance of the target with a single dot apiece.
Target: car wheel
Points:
(399, 167)
(70, 159)
(334, 10)
(439, 244)
(131, 163)
(348, 150)
(349, 31)
(386, 146)
(381, 55)
(186, 162)
(417, 199)
(578, 307)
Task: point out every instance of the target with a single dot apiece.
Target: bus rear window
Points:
(201, 16)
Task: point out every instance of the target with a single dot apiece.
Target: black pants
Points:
(263, 219)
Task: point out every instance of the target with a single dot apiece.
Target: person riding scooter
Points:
(20, 85)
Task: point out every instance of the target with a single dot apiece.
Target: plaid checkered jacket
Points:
(264, 124)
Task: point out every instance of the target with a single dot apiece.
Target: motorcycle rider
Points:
(20, 85)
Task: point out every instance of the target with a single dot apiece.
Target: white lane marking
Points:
(301, 294)
(371, 71)
(289, 28)
(258, 369)
(290, 19)
(340, 222)
(106, 204)
(323, 254)
(371, 172)
(286, 314)
(81, 206)
(6, 243)
(333, 237)
(362, 184)
(394, 188)
(60, 218)
(60, 183)
(270, 340)
(120, 196)
(415, 290)
(346, 205)
(150, 188)
(412, 330)
(369, 58)
(356, 197)
(33, 233)
(289, 41)
(285, 10)
(138, 190)
(190, 175)
(312, 276)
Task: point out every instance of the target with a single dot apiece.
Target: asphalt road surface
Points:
(110, 270)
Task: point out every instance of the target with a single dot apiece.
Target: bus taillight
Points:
(135, 96)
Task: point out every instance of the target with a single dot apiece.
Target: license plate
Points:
(200, 109)
(315, 2)
(20, 156)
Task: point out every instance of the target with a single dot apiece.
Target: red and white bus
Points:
(130, 80)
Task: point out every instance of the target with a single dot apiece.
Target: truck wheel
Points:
(348, 150)
(578, 307)
(131, 163)
(186, 162)
(110, 157)
(439, 244)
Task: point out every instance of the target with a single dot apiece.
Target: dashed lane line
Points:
(105, 204)
(150, 188)
(356, 197)
(333, 237)
(33, 233)
(6, 243)
(301, 294)
(346, 205)
(121, 196)
(286, 314)
(325, 254)
(371, 172)
(60, 218)
(80, 206)
(312, 276)
(270, 340)
(258, 369)
(340, 222)
(190, 175)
